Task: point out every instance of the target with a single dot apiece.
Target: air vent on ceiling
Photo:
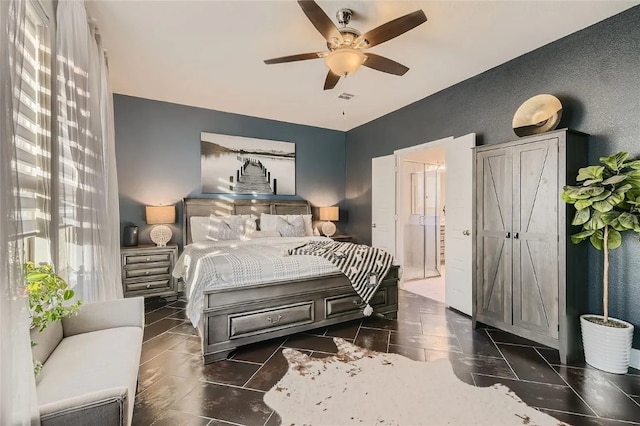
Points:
(346, 96)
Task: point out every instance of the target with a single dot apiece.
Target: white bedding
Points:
(219, 264)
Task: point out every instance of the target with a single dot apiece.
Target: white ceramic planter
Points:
(606, 348)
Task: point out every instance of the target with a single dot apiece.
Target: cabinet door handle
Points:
(516, 236)
(373, 225)
(274, 321)
(508, 234)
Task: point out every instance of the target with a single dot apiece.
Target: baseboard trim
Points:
(634, 358)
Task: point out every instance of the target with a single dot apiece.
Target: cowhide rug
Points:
(358, 386)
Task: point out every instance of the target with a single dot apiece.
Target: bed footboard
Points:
(241, 316)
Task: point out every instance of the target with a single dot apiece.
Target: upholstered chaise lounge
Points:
(90, 364)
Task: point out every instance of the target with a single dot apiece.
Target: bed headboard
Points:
(221, 207)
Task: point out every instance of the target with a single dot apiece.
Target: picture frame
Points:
(241, 165)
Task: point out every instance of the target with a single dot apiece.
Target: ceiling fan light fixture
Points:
(345, 61)
(346, 45)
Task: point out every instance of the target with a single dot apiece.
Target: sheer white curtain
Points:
(89, 240)
(18, 404)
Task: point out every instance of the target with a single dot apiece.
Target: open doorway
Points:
(391, 219)
(422, 220)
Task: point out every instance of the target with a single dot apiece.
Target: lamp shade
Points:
(344, 61)
(329, 213)
(160, 214)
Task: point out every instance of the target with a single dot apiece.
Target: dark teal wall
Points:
(596, 75)
(158, 155)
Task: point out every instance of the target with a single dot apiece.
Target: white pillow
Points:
(199, 226)
(308, 229)
(269, 222)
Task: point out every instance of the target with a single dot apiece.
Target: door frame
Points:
(448, 143)
(399, 155)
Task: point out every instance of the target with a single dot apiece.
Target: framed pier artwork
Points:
(239, 165)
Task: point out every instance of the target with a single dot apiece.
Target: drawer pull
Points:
(274, 321)
(148, 259)
(148, 285)
(146, 273)
(359, 303)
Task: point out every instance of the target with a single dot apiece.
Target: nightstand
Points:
(146, 270)
(342, 238)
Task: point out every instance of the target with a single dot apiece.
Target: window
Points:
(33, 134)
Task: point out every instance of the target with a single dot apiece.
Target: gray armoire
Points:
(529, 279)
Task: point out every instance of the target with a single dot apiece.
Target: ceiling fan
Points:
(347, 46)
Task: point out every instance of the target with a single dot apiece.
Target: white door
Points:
(459, 223)
(383, 203)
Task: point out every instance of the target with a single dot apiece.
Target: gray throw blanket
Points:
(364, 266)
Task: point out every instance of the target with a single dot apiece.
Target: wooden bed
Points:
(234, 317)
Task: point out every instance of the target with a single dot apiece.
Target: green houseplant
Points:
(49, 298)
(607, 205)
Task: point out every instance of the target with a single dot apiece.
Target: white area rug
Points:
(358, 386)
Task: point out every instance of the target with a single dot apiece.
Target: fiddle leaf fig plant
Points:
(48, 296)
(607, 205)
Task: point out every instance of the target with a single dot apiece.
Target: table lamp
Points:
(160, 216)
(329, 214)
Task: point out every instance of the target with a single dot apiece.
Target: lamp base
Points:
(328, 228)
(161, 234)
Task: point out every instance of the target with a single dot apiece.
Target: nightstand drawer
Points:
(159, 283)
(161, 270)
(130, 259)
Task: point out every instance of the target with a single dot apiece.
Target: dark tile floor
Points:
(175, 388)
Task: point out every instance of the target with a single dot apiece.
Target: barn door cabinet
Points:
(529, 279)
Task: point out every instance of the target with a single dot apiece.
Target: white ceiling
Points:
(209, 53)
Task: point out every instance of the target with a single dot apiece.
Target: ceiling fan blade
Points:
(383, 64)
(293, 58)
(320, 20)
(331, 81)
(392, 29)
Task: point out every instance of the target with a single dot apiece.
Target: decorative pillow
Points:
(252, 235)
(269, 222)
(222, 228)
(293, 228)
